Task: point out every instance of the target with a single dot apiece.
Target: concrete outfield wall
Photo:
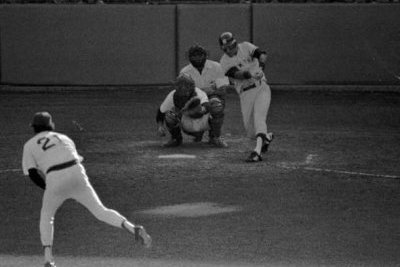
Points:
(87, 44)
(330, 43)
(141, 44)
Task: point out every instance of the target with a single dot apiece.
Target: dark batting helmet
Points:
(226, 40)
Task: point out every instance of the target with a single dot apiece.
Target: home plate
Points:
(191, 209)
(177, 156)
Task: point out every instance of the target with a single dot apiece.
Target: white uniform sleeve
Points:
(168, 103)
(221, 78)
(249, 47)
(224, 64)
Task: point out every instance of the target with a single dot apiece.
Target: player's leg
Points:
(261, 107)
(172, 122)
(87, 196)
(246, 106)
(217, 108)
(50, 203)
(260, 113)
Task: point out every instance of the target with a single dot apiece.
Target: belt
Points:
(62, 166)
(249, 87)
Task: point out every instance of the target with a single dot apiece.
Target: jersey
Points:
(211, 76)
(47, 149)
(243, 61)
(168, 103)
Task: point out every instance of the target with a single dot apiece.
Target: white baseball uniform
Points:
(50, 150)
(211, 75)
(254, 94)
(190, 125)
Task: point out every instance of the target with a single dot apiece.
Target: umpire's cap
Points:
(42, 119)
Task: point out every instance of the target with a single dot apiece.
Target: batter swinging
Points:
(243, 63)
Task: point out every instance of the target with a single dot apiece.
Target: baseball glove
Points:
(193, 108)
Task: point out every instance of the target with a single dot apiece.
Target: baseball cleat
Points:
(49, 264)
(142, 236)
(173, 143)
(254, 157)
(218, 142)
(270, 137)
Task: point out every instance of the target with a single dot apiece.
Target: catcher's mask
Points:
(227, 42)
(197, 56)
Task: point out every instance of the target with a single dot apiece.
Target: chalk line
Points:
(292, 167)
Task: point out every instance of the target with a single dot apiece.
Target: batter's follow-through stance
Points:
(243, 63)
(53, 163)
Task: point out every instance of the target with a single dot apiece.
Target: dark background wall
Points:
(140, 44)
(78, 44)
(335, 44)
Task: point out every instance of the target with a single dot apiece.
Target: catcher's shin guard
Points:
(172, 120)
(217, 116)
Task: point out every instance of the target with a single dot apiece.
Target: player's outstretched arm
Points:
(37, 178)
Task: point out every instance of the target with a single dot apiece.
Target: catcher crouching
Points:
(187, 109)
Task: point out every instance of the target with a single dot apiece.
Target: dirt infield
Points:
(327, 193)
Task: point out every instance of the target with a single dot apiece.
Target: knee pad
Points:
(216, 107)
(172, 119)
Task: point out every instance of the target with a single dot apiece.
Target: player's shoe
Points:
(218, 142)
(142, 236)
(173, 143)
(254, 157)
(49, 264)
(267, 142)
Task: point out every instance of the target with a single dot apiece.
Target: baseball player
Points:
(243, 63)
(53, 163)
(209, 77)
(186, 109)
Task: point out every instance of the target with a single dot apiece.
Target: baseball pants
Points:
(71, 183)
(255, 105)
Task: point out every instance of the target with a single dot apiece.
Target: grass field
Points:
(326, 194)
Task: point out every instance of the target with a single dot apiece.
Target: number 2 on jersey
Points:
(45, 142)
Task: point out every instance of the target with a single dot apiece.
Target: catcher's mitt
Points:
(193, 108)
